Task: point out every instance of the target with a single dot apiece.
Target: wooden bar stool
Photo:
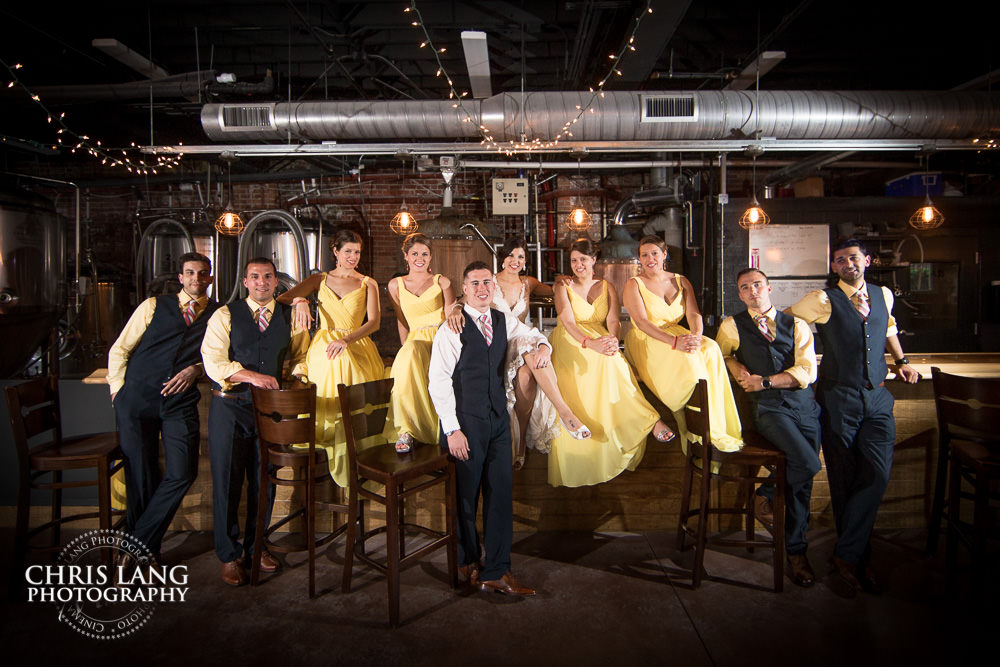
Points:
(702, 459)
(287, 417)
(33, 407)
(364, 408)
(968, 410)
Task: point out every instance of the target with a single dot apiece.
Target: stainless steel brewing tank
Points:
(32, 270)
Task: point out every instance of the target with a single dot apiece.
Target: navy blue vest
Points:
(762, 357)
(262, 352)
(479, 386)
(168, 346)
(853, 348)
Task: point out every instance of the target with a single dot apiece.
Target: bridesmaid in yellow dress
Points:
(341, 350)
(419, 299)
(669, 358)
(596, 382)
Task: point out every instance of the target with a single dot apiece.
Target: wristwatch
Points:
(765, 383)
(902, 361)
(448, 434)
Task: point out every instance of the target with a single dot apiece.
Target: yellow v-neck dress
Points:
(672, 374)
(604, 394)
(412, 410)
(360, 362)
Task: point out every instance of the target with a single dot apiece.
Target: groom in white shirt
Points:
(467, 389)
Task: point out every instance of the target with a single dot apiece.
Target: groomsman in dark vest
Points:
(466, 384)
(153, 369)
(855, 323)
(771, 355)
(246, 344)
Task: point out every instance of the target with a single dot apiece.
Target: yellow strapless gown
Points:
(360, 362)
(604, 394)
(412, 410)
(672, 374)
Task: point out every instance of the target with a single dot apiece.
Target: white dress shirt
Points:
(446, 350)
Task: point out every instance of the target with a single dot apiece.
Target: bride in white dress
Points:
(535, 415)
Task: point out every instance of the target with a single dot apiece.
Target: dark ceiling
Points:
(370, 50)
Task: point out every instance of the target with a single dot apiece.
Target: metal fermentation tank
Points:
(32, 268)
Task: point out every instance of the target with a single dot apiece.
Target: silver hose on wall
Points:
(140, 256)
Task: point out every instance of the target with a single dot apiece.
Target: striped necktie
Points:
(762, 325)
(484, 319)
(860, 302)
(189, 313)
(262, 319)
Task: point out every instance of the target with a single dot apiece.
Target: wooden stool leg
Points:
(980, 532)
(702, 536)
(779, 528)
(352, 527)
(392, 550)
(954, 499)
(310, 510)
(937, 507)
(450, 514)
(685, 502)
(261, 537)
(56, 507)
(748, 489)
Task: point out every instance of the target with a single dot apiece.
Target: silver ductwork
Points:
(620, 116)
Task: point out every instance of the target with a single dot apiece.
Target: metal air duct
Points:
(619, 116)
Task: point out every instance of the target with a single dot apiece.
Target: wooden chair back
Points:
(285, 416)
(364, 408)
(972, 404)
(33, 407)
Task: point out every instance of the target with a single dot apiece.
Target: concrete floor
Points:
(620, 598)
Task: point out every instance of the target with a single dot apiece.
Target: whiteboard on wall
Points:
(785, 293)
(791, 250)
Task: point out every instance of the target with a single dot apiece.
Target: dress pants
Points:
(489, 471)
(152, 497)
(859, 435)
(235, 457)
(793, 427)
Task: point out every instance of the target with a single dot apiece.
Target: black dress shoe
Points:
(802, 572)
(844, 581)
(869, 583)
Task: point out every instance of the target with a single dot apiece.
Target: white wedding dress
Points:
(544, 424)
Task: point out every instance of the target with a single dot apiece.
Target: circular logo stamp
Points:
(99, 593)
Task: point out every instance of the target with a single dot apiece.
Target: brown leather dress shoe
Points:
(233, 573)
(469, 574)
(507, 585)
(268, 563)
(802, 572)
(763, 511)
(846, 574)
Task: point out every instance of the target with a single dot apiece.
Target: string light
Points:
(82, 142)
(525, 144)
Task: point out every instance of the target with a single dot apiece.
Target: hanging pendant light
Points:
(229, 223)
(755, 217)
(927, 216)
(579, 220)
(403, 223)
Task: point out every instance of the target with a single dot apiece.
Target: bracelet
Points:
(583, 343)
(297, 300)
(674, 346)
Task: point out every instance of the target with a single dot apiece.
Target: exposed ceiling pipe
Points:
(620, 116)
(643, 199)
(797, 170)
